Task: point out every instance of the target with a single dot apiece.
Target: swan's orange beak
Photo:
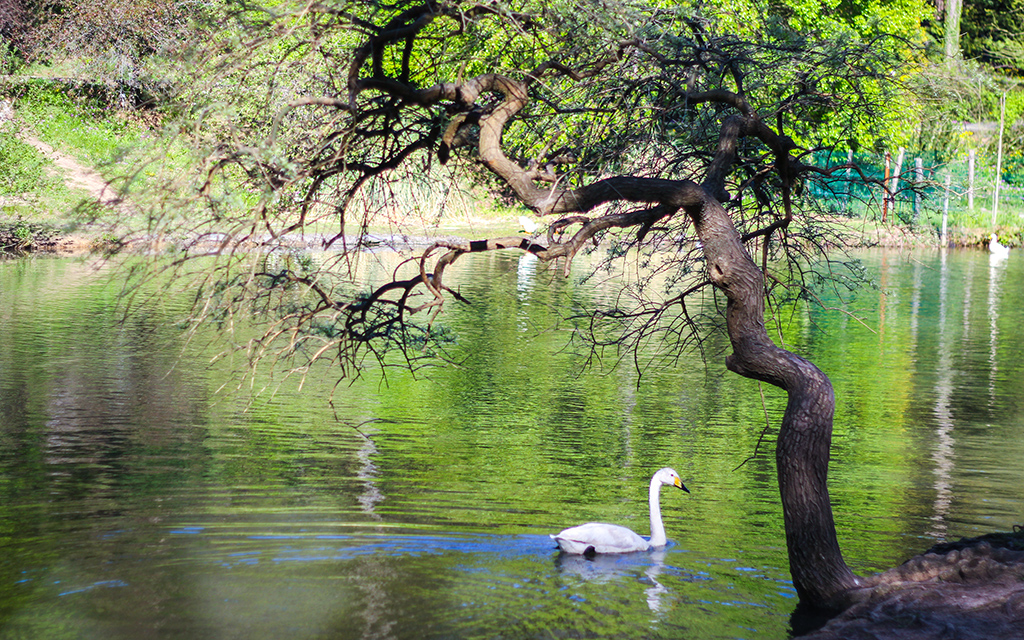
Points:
(679, 483)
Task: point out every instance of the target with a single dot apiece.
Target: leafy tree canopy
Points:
(993, 32)
(313, 119)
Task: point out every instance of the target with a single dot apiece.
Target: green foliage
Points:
(23, 170)
(117, 43)
(97, 135)
(992, 32)
(123, 147)
(1014, 107)
(1013, 169)
(78, 124)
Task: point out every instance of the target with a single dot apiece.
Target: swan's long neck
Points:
(658, 538)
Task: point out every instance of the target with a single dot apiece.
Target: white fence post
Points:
(999, 158)
(970, 179)
(945, 212)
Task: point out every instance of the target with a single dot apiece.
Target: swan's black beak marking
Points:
(679, 483)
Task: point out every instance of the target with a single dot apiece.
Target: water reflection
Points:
(657, 592)
(137, 503)
(944, 447)
(997, 263)
(526, 272)
(604, 568)
(368, 472)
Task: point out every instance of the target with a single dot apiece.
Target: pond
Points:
(139, 498)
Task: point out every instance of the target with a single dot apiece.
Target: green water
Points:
(140, 499)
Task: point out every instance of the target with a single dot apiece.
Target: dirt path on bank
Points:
(76, 175)
(79, 179)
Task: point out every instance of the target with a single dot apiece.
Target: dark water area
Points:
(141, 497)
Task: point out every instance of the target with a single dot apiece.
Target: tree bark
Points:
(951, 28)
(802, 451)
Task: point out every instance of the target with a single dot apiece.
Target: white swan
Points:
(529, 225)
(996, 248)
(597, 537)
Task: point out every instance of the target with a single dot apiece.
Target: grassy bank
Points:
(61, 156)
(47, 205)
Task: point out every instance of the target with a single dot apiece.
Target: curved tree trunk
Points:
(802, 452)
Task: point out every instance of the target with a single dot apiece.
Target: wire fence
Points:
(921, 193)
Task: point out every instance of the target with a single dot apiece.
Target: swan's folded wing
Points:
(598, 537)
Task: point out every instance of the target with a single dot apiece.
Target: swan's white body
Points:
(529, 225)
(996, 248)
(598, 537)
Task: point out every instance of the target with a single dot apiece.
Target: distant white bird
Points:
(597, 537)
(997, 249)
(529, 225)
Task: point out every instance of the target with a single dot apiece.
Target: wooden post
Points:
(944, 236)
(918, 182)
(849, 185)
(999, 158)
(894, 183)
(885, 188)
(970, 179)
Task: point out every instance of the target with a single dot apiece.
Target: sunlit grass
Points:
(29, 187)
(125, 148)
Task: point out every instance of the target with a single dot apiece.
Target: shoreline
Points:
(20, 238)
